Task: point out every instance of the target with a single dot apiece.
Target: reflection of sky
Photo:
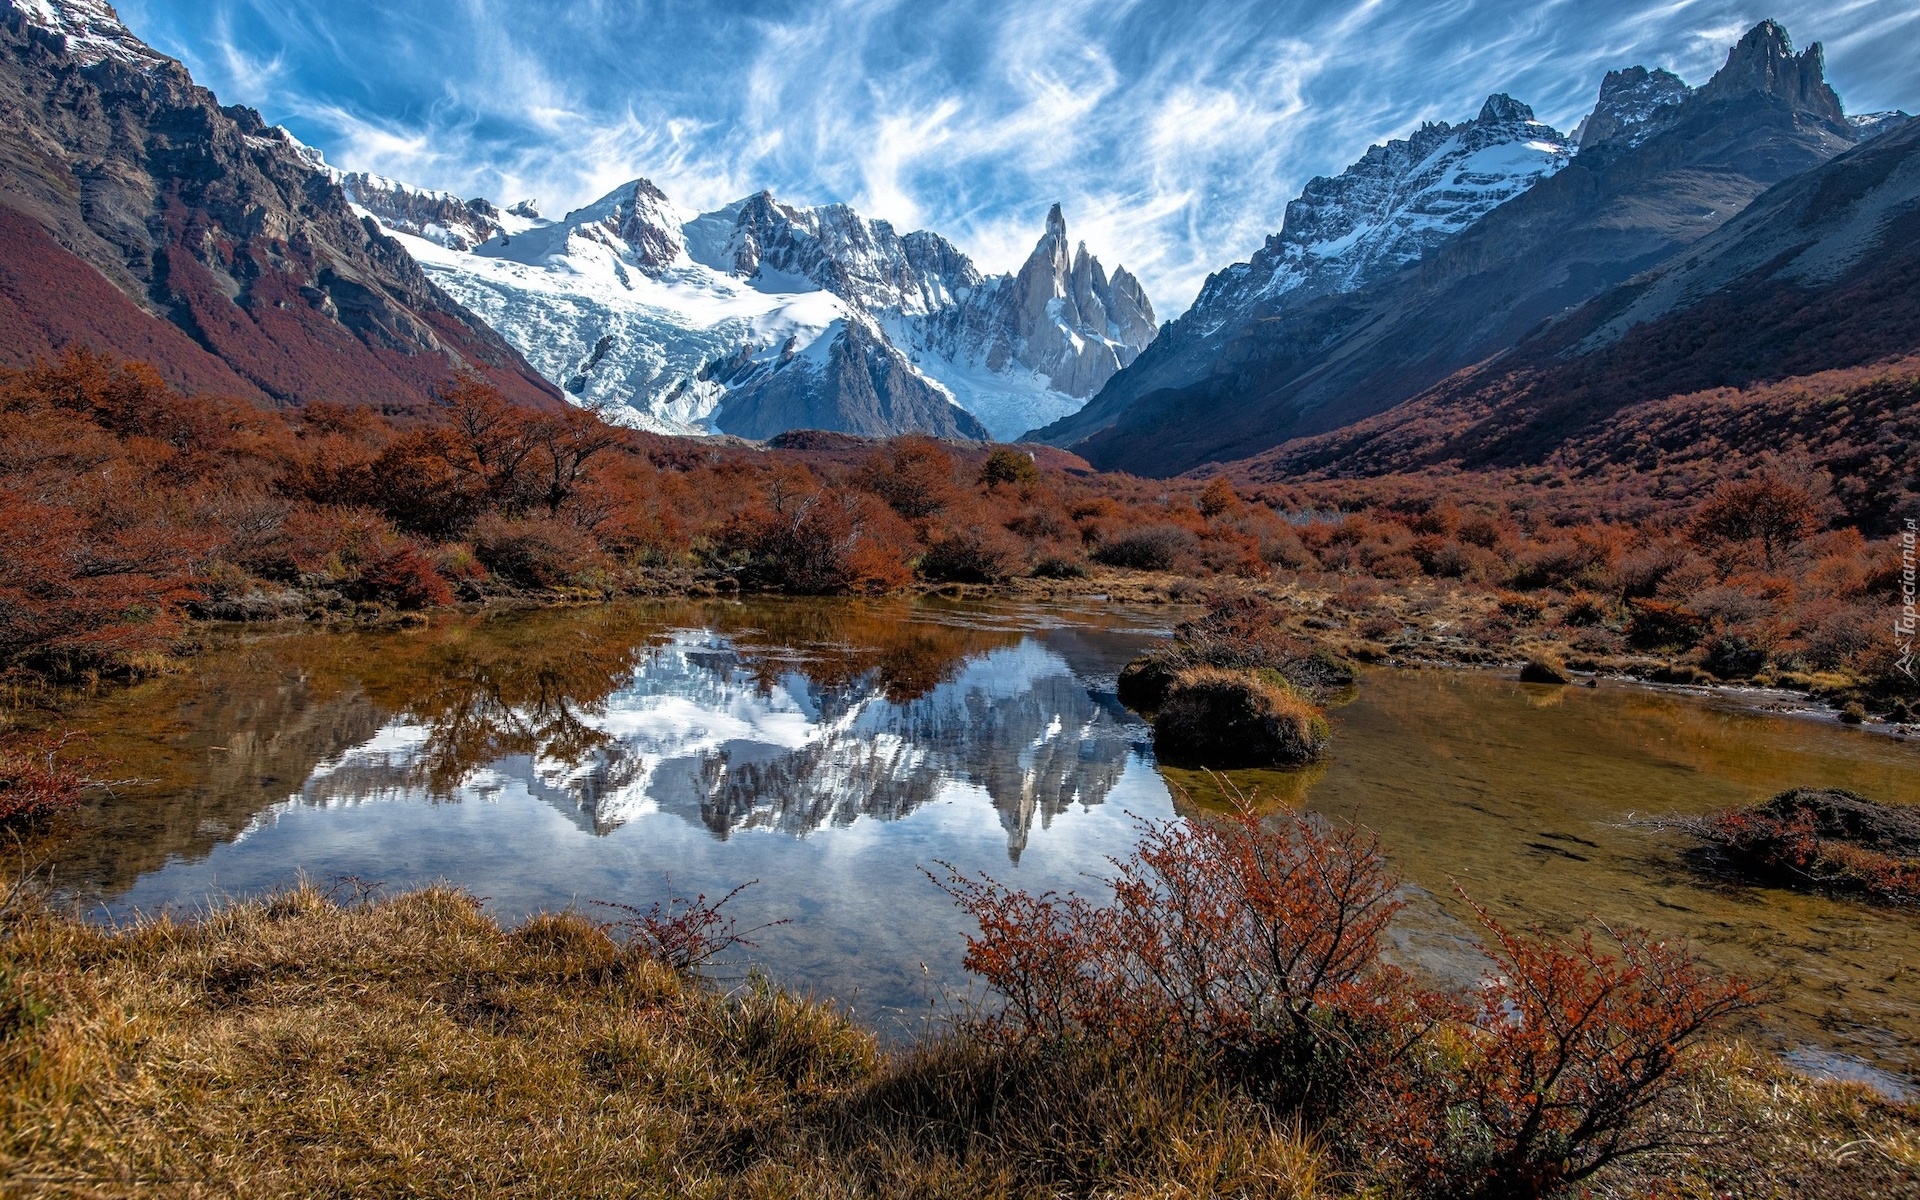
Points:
(834, 799)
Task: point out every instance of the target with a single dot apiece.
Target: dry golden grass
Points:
(411, 1046)
(293, 1046)
(1780, 1136)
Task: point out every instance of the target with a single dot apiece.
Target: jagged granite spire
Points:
(1764, 62)
(1062, 317)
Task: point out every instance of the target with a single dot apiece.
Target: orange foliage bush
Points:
(1254, 949)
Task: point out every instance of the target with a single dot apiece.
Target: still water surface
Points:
(833, 749)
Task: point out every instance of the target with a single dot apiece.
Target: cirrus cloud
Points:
(1173, 131)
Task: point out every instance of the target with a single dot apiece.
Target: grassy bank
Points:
(412, 1046)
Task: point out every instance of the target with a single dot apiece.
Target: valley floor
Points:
(315, 1044)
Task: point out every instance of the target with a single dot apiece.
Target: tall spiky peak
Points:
(1061, 317)
(1764, 62)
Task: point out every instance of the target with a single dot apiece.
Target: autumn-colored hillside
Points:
(132, 509)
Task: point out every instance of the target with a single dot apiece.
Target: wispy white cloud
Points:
(1173, 131)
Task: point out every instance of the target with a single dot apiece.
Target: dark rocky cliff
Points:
(205, 219)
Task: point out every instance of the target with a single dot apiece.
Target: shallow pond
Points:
(833, 749)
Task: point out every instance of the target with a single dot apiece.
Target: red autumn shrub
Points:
(1218, 499)
(538, 552)
(34, 783)
(914, 476)
(1575, 1047)
(89, 587)
(973, 554)
(415, 484)
(1253, 949)
(335, 541)
(1766, 510)
(820, 542)
(405, 576)
(1007, 465)
(1158, 547)
(1230, 937)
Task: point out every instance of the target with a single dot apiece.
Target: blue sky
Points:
(1173, 131)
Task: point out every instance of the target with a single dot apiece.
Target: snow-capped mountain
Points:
(1396, 204)
(1267, 354)
(763, 317)
(1391, 207)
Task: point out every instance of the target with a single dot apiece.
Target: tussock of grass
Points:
(293, 1046)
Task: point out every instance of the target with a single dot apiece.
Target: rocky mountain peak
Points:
(1634, 103)
(440, 217)
(861, 260)
(92, 31)
(1501, 108)
(1061, 317)
(1764, 62)
(637, 217)
(1397, 202)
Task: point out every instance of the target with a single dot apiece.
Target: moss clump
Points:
(1225, 719)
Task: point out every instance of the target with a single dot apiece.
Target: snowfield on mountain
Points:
(763, 316)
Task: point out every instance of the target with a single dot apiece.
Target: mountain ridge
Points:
(701, 324)
(1821, 273)
(203, 219)
(1618, 208)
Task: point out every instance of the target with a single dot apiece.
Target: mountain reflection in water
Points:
(831, 749)
(702, 728)
(828, 749)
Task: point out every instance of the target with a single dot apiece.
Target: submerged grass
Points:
(411, 1045)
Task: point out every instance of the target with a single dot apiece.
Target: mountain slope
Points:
(1398, 203)
(1821, 273)
(1621, 207)
(203, 218)
(762, 314)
